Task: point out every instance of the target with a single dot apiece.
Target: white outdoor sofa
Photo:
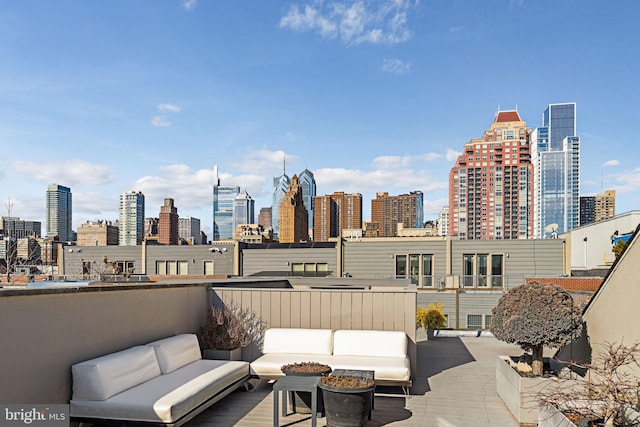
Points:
(165, 382)
(384, 352)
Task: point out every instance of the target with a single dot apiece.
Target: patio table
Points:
(295, 383)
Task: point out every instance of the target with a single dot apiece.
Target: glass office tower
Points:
(59, 212)
(555, 153)
(223, 197)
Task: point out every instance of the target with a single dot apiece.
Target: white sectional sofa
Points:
(165, 382)
(384, 352)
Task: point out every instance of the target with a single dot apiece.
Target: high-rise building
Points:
(16, 228)
(98, 233)
(59, 212)
(490, 188)
(168, 223)
(587, 210)
(189, 229)
(264, 218)
(243, 210)
(280, 188)
(131, 219)
(308, 184)
(334, 213)
(555, 154)
(605, 205)
(387, 211)
(223, 197)
(443, 222)
(294, 220)
(151, 228)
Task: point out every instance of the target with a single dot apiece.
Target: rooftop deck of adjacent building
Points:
(455, 386)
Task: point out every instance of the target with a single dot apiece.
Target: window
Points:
(427, 270)
(401, 266)
(496, 270)
(309, 269)
(414, 268)
(172, 268)
(474, 321)
(208, 268)
(467, 270)
(487, 321)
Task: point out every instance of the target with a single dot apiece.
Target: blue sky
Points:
(107, 97)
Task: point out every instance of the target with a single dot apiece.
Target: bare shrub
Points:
(230, 326)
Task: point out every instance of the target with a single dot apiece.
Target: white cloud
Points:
(395, 66)
(628, 181)
(168, 108)
(353, 21)
(160, 121)
(452, 155)
(189, 5)
(455, 29)
(265, 162)
(611, 163)
(433, 207)
(70, 173)
(394, 162)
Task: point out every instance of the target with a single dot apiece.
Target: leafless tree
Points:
(608, 392)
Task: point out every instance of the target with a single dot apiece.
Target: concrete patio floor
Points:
(455, 387)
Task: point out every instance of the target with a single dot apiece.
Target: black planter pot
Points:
(301, 400)
(346, 407)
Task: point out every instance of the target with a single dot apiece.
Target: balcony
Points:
(48, 330)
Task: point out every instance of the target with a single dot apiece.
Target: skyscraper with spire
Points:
(223, 198)
(280, 188)
(308, 185)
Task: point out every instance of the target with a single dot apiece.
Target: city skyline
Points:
(370, 97)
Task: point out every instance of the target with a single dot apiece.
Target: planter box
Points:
(519, 393)
(550, 416)
(235, 354)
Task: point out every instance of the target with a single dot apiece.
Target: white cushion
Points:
(169, 397)
(176, 352)
(385, 368)
(268, 366)
(297, 340)
(370, 343)
(103, 377)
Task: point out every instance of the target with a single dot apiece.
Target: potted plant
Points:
(301, 401)
(228, 329)
(431, 318)
(347, 399)
(532, 316)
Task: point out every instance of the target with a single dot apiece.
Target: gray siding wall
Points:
(74, 256)
(522, 257)
(376, 258)
(328, 309)
(196, 255)
(280, 260)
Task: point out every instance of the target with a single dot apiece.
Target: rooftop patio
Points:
(455, 386)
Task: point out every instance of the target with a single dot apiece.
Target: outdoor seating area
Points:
(163, 382)
(384, 352)
(455, 386)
